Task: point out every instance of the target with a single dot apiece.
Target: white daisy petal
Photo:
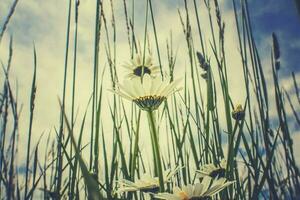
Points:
(206, 183)
(136, 68)
(189, 190)
(146, 183)
(147, 94)
(122, 95)
(126, 90)
(147, 83)
(213, 170)
(148, 61)
(204, 189)
(137, 87)
(198, 189)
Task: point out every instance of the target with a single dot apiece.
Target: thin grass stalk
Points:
(7, 19)
(11, 173)
(95, 73)
(255, 63)
(199, 28)
(76, 5)
(108, 180)
(262, 98)
(91, 184)
(35, 163)
(5, 106)
(296, 87)
(113, 24)
(108, 49)
(292, 169)
(178, 138)
(136, 148)
(31, 104)
(97, 131)
(212, 32)
(45, 166)
(243, 52)
(117, 133)
(58, 175)
(145, 38)
(127, 25)
(188, 35)
(156, 39)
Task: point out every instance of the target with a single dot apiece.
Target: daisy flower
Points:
(149, 93)
(146, 183)
(213, 170)
(136, 69)
(238, 113)
(204, 190)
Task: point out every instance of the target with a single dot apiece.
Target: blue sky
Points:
(281, 17)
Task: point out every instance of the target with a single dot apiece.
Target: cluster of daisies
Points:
(144, 86)
(211, 181)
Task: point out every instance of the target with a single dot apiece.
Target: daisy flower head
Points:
(147, 93)
(204, 190)
(238, 113)
(146, 183)
(138, 67)
(214, 171)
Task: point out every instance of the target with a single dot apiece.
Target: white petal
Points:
(137, 87)
(172, 87)
(162, 86)
(156, 84)
(172, 173)
(148, 61)
(223, 163)
(126, 87)
(176, 190)
(198, 189)
(147, 82)
(189, 190)
(206, 183)
(138, 60)
(167, 90)
(166, 196)
(155, 68)
(122, 95)
(217, 188)
(128, 66)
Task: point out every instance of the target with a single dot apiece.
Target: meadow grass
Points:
(188, 130)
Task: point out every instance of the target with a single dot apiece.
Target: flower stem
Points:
(156, 152)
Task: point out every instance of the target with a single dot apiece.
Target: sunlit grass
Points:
(196, 129)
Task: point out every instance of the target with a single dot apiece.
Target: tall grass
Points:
(193, 128)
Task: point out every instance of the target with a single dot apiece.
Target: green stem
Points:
(156, 152)
(230, 156)
(136, 148)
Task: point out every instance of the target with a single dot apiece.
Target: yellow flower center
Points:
(239, 108)
(150, 102)
(183, 195)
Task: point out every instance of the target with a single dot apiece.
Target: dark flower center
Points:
(239, 115)
(138, 71)
(152, 190)
(220, 173)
